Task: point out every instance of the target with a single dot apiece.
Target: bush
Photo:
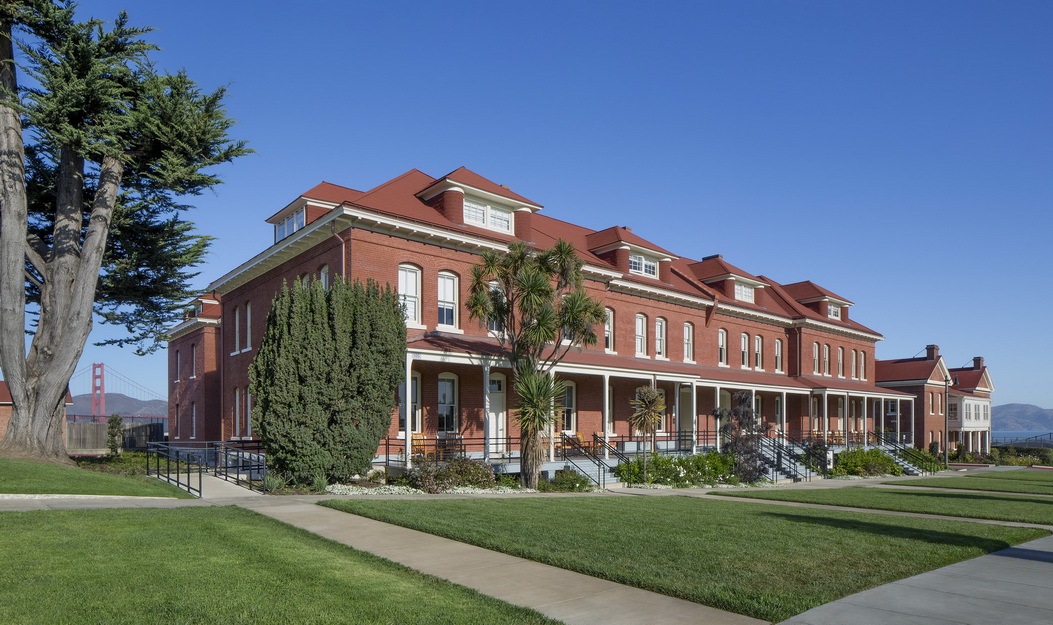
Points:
(865, 462)
(465, 471)
(128, 464)
(434, 477)
(114, 434)
(1022, 456)
(566, 481)
(507, 480)
(934, 449)
(679, 471)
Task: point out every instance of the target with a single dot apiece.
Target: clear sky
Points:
(897, 153)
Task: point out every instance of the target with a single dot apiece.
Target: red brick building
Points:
(699, 330)
(957, 401)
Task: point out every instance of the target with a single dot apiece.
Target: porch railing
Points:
(914, 456)
(573, 447)
(783, 459)
(243, 463)
(179, 465)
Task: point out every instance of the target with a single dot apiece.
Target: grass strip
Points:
(213, 565)
(972, 483)
(766, 562)
(1041, 476)
(968, 505)
(37, 478)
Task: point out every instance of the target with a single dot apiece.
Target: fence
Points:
(90, 438)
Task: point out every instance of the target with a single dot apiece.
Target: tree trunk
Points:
(531, 457)
(37, 430)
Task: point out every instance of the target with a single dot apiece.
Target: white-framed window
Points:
(289, 225)
(409, 292)
(447, 289)
(643, 265)
(248, 327)
(758, 406)
(177, 419)
(569, 407)
(834, 311)
(248, 414)
(855, 372)
(778, 355)
(778, 411)
(744, 292)
(659, 338)
(987, 412)
(193, 419)
(237, 330)
(722, 347)
(689, 342)
(495, 324)
(758, 352)
(323, 276)
(237, 412)
(840, 362)
(608, 329)
(932, 403)
(815, 358)
(448, 403)
(487, 216)
(641, 335)
(193, 360)
(744, 350)
(414, 403)
(826, 359)
(178, 365)
(661, 424)
(862, 365)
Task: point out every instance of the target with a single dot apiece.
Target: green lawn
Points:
(1012, 485)
(1042, 476)
(765, 561)
(35, 478)
(970, 505)
(213, 565)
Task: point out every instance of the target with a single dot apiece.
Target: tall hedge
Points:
(325, 377)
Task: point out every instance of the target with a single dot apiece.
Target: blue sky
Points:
(897, 153)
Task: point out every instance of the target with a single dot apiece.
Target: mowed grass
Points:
(764, 561)
(213, 565)
(36, 478)
(970, 505)
(984, 483)
(1042, 476)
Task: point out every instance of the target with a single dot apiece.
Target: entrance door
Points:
(686, 420)
(497, 414)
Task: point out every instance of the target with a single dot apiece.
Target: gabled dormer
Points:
(820, 300)
(464, 197)
(631, 254)
(309, 207)
(727, 279)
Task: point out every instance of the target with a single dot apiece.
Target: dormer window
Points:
(643, 265)
(289, 225)
(487, 216)
(744, 292)
(834, 311)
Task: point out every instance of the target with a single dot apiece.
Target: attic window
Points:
(289, 225)
(743, 292)
(643, 265)
(834, 311)
(487, 216)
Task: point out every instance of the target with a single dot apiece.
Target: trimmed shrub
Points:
(680, 471)
(865, 462)
(433, 477)
(566, 481)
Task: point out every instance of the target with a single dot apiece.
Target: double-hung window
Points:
(447, 403)
(840, 362)
(659, 338)
(643, 265)
(826, 359)
(447, 299)
(745, 350)
(487, 216)
(722, 347)
(744, 292)
(778, 355)
(641, 335)
(608, 329)
(409, 292)
(758, 352)
(689, 342)
(568, 409)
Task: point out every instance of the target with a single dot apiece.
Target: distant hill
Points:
(116, 403)
(1021, 417)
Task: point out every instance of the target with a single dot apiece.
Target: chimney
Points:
(978, 362)
(524, 224)
(450, 203)
(665, 270)
(932, 352)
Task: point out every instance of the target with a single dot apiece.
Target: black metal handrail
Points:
(188, 461)
(784, 459)
(913, 456)
(604, 445)
(580, 450)
(243, 463)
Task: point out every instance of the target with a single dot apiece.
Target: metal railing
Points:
(913, 456)
(577, 448)
(783, 459)
(243, 463)
(178, 465)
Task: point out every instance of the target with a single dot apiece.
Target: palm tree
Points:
(538, 393)
(648, 410)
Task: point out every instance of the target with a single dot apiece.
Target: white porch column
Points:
(899, 419)
(486, 412)
(913, 423)
(407, 404)
(782, 414)
(716, 404)
(608, 422)
(694, 418)
(551, 434)
(826, 418)
(866, 443)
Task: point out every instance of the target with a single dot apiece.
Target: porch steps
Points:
(908, 468)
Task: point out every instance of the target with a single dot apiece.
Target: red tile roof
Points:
(903, 369)
(807, 289)
(967, 378)
(466, 176)
(620, 234)
(332, 193)
(848, 385)
(715, 266)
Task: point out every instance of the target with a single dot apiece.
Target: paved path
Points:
(1014, 585)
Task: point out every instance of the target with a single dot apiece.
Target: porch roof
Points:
(853, 387)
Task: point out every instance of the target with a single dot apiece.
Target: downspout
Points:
(343, 250)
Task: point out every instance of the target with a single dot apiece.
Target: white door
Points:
(497, 415)
(686, 419)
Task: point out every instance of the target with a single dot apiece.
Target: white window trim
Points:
(744, 350)
(826, 359)
(815, 358)
(178, 364)
(640, 336)
(661, 345)
(416, 417)
(193, 362)
(455, 326)
(573, 387)
(689, 343)
(758, 353)
(237, 331)
(248, 328)
(608, 330)
(841, 362)
(193, 420)
(406, 268)
(722, 342)
(456, 404)
(855, 372)
(237, 412)
(778, 356)
(645, 262)
(745, 293)
(488, 216)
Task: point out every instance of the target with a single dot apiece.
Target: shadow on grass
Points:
(898, 531)
(972, 495)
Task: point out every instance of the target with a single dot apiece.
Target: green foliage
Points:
(538, 300)
(865, 462)
(1022, 456)
(114, 434)
(741, 430)
(648, 410)
(680, 471)
(934, 449)
(816, 456)
(566, 481)
(438, 477)
(325, 376)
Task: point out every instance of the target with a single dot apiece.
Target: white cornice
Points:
(634, 248)
(190, 325)
(829, 327)
(732, 310)
(298, 204)
(468, 190)
(633, 288)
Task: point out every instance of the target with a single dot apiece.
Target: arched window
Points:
(778, 354)
(608, 329)
(248, 327)
(178, 364)
(659, 338)
(689, 342)
(641, 335)
(237, 330)
(744, 350)
(323, 276)
(409, 292)
(722, 347)
(815, 358)
(448, 403)
(855, 373)
(193, 360)
(758, 352)
(237, 412)
(862, 365)
(569, 408)
(826, 359)
(414, 404)
(840, 362)
(447, 291)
